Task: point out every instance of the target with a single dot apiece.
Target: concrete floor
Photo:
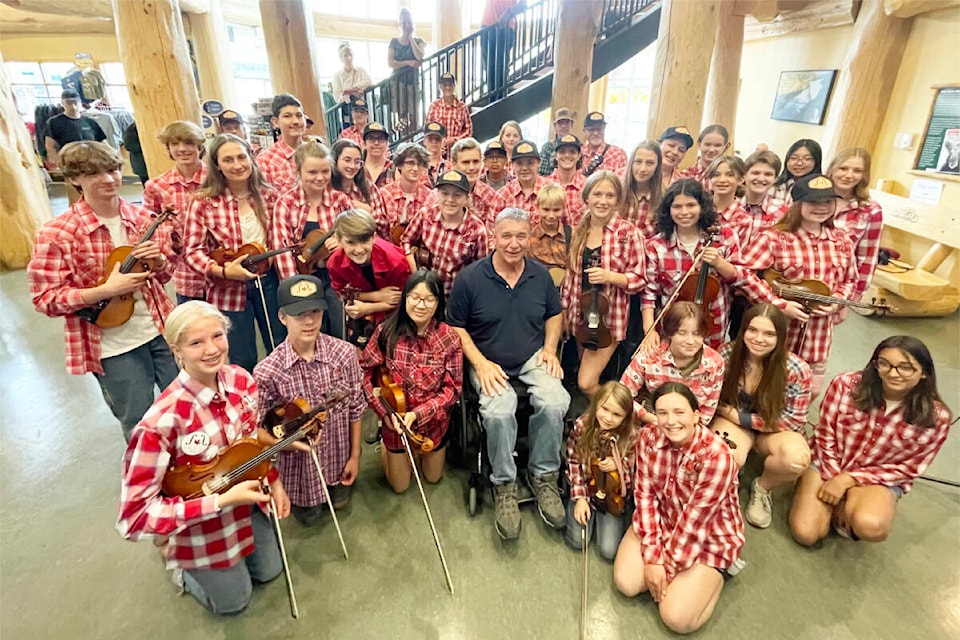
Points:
(66, 573)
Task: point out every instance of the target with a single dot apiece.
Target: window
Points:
(628, 100)
(36, 83)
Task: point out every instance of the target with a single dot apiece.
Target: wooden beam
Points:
(910, 8)
(577, 27)
(822, 14)
(723, 85)
(24, 22)
(91, 8)
(212, 50)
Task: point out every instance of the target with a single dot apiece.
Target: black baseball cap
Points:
(813, 188)
(678, 132)
(525, 149)
(495, 147)
(568, 140)
(455, 179)
(594, 119)
(69, 94)
(374, 128)
(358, 104)
(434, 129)
(230, 116)
(447, 77)
(300, 294)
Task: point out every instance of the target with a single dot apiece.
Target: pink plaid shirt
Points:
(801, 256)
(352, 133)
(290, 218)
(622, 252)
(638, 213)
(738, 220)
(399, 206)
(189, 424)
(69, 255)
(688, 509)
(512, 195)
(572, 197)
(578, 471)
(455, 117)
(172, 189)
(451, 249)
(863, 222)
(284, 376)
(696, 172)
(873, 447)
(615, 158)
(763, 215)
(649, 371)
(277, 165)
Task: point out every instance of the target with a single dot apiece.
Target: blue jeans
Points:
(332, 323)
(228, 591)
(128, 379)
(610, 529)
(499, 414)
(242, 335)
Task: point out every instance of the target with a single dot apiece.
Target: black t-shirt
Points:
(64, 129)
(507, 325)
(402, 52)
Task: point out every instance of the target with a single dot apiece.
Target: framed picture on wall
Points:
(802, 96)
(940, 152)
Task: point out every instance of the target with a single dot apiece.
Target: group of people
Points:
(364, 270)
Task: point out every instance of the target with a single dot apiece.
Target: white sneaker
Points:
(177, 579)
(759, 512)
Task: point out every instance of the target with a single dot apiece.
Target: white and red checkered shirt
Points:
(638, 213)
(284, 376)
(400, 206)
(70, 253)
(212, 223)
(874, 447)
(649, 371)
(796, 401)
(863, 222)
(578, 471)
(738, 220)
(455, 117)
(512, 195)
(290, 217)
(172, 190)
(375, 201)
(614, 158)
(696, 172)
(352, 133)
(384, 178)
(688, 510)
(573, 199)
(277, 165)
(189, 424)
(763, 215)
(450, 249)
(484, 202)
(797, 256)
(621, 252)
(668, 261)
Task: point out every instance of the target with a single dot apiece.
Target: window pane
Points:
(118, 96)
(27, 97)
(53, 72)
(53, 92)
(24, 73)
(113, 72)
(423, 10)
(361, 8)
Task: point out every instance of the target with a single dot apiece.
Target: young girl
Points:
(760, 170)
(349, 178)
(605, 433)
(606, 253)
(687, 532)
(763, 405)
(681, 357)
(712, 142)
(857, 214)
(805, 246)
(803, 158)
(879, 429)
(725, 174)
(422, 355)
(643, 188)
(233, 208)
(686, 212)
(218, 544)
(510, 134)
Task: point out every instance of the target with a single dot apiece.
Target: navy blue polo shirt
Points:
(507, 324)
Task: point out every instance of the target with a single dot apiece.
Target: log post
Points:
(577, 28)
(723, 86)
(212, 50)
(291, 55)
(156, 62)
(24, 205)
(449, 21)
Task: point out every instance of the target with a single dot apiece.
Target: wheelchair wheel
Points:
(472, 504)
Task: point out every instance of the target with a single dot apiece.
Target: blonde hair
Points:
(188, 313)
(579, 239)
(862, 189)
(182, 131)
(355, 224)
(88, 158)
(551, 196)
(311, 149)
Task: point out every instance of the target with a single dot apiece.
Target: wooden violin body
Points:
(359, 329)
(198, 480)
(705, 289)
(392, 397)
(256, 258)
(814, 294)
(592, 332)
(604, 486)
(314, 251)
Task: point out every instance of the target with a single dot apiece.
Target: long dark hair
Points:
(813, 147)
(919, 407)
(588, 445)
(771, 389)
(687, 187)
(336, 178)
(399, 324)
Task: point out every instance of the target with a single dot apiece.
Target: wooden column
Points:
(212, 50)
(577, 27)
(865, 81)
(723, 85)
(291, 55)
(156, 62)
(684, 50)
(24, 205)
(449, 21)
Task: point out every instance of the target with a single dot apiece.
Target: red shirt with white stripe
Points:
(455, 117)
(763, 215)
(638, 213)
(513, 195)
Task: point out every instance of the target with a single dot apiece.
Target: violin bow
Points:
(326, 494)
(266, 313)
(583, 590)
(294, 611)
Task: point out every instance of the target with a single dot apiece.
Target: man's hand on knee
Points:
(493, 380)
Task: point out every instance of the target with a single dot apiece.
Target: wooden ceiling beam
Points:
(90, 8)
(910, 8)
(821, 14)
(26, 23)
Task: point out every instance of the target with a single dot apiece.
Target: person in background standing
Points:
(674, 144)
(404, 55)
(804, 158)
(498, 41)
(562, 126)
(361, 117)
(713, 142)
(70, 126)
(598, 154)
(276, 163)
(495, 175)
(131, 142)
(451, 112)
(350, 81)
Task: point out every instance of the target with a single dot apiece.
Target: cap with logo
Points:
(301, 294)
(358, 104)
(230, 115)
(495, 147)
(594, 119)
(447, 77)
(562, 114)
(374, 128)
(434, 129)
(456, 179)
(813, 188)
(678, 132)
(568, 140)
(525, 149)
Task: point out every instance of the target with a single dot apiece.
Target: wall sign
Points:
(940, 151)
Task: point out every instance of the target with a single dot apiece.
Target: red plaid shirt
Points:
(696, 172)
(615, 158)
(622, 252)
(277, 165)
(801, 256)
(212, 223)
(687, 505)
(796, 402)
(290, 218)
(455, 117)
(284, 376)
(385, 178)
(572, 197)
(738, 220)
(873, 447)
(390, 269)
(512, 195)
(429, 370)
(763, 215)
(649, 371)
(69, 255)
(638, 213)
(668, 261)
(189, 424)
(399, 206)
(375, 201)
(352, 133)
(451, 249)
(863, 222)
(578, 471)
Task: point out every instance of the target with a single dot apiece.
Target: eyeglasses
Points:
(350, 162)
(415, 300)
(905, 369)
(803, 159)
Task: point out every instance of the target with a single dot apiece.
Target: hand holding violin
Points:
(826, 310)
(268, 440)
(607, 465)
(357, 309)
(794, 311)
(389, 295)
(235, 270)
(246, 492)
(408, 419)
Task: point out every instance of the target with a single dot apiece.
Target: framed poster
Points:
(940, 151)
(802, 96)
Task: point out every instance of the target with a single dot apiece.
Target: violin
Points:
(395, 402)
(360, 329)
(422, 257)
(115, 311)
(284, 420)
(592, 332)
(814, 294)
(604, 486)
(705, 290)
(256, 258)
(313, 251)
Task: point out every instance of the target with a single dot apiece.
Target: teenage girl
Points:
(725, 175)
(643, 188)
(804, 158)
(712, 142)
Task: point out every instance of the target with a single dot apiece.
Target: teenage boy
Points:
(522, 192)
(762, 169)
(377, 165)
(562, 126)
(598, 154)
(550, 237)
(434, 134)
(451, 112)
(408, 192)
(276, 163)
(569, 176)
(360, 114)
(495, 173)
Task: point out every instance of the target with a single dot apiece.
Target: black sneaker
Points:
(370, 426)
(507, 512)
